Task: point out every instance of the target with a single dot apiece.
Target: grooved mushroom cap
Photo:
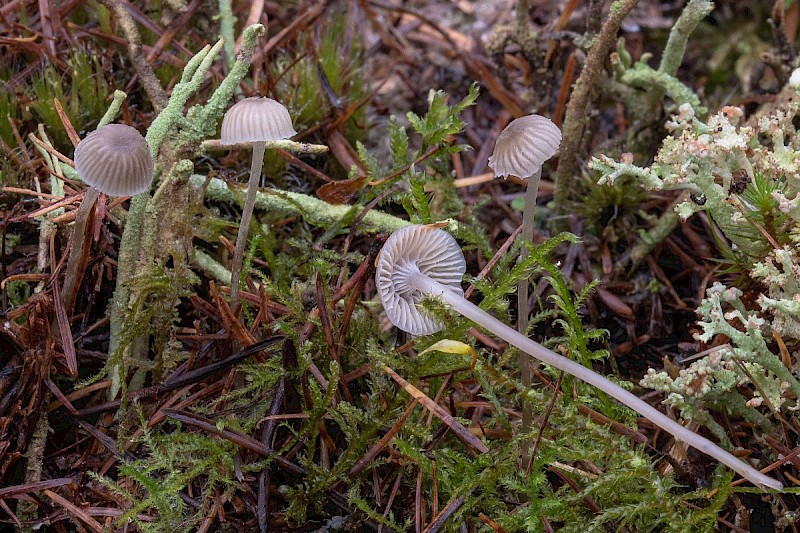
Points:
(256, 119)
(431, 251)
(115, 159)
(524, 146)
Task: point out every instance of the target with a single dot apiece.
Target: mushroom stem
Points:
(429, 286)
(76, 249)
(527, 236)
(247, 214)
(522, 294)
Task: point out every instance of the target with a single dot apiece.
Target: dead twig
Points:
(575, 120)
(155, 92)
(447, 419)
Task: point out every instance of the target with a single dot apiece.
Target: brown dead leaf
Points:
(340, 192)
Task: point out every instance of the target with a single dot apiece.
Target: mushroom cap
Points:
(523, 147)
(115, 159)
(256, 119)
(436, 254)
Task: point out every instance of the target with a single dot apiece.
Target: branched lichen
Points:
(651, 84)
(202, 120)
(712, 160)
(715, 380)
(642, 75)
(745, 178)
(131, 252)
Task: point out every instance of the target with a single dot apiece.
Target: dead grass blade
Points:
(439, 520)
(232, 324)
(75, 511)
(67, 344)
(15, 490)
(68, 127)
(454, 425)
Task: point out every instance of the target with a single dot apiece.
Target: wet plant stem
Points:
(247, 214)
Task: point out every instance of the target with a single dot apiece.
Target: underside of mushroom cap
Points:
(524, 146)
(115, 159)
(428, 250)
(256, 119)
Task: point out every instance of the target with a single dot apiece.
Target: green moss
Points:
(83, 92)
(9, 107)
(324, 75)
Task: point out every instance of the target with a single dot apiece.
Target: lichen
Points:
(745, 176)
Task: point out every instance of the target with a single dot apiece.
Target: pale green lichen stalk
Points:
(313, 210)
(113, 109)
(282, 144)
(197, 125)
(46, 225)
(226, 23)
(692, 14)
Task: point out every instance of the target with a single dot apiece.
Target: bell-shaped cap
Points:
(523, 147)
(256, 119)
(115, 159)
(407, 252)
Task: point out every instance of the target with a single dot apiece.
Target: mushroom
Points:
(114, 160)
(423, 261)
(521, 150)
(253, 120)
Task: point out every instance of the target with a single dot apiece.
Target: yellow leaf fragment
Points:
(451, 346)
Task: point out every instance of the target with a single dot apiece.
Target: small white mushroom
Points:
(419, 261)
(523, 147)
(114, 160)
(521, 150)
(415, 248)
(253, 120)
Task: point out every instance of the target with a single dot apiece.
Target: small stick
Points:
(455, 426)
(575, 119)
(68, 127)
